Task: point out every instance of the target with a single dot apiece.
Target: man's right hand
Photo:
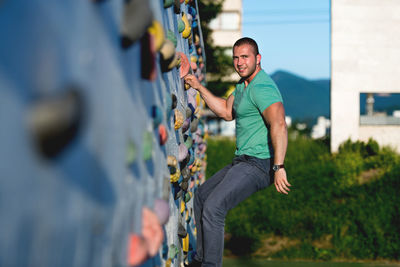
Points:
(192, 81)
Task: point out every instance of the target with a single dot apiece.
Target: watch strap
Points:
(276, 167)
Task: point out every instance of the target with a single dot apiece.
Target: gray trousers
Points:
(220, 193)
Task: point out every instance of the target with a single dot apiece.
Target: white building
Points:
(365, 58)
(227, 26)
(320, 129)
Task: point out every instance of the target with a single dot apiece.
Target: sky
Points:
(292, 35)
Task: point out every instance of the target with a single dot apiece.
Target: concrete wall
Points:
(387, 135)
(365, 57)
(227, 38)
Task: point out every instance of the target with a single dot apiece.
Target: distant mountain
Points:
(304, 99)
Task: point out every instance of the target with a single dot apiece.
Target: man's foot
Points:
(194, 263)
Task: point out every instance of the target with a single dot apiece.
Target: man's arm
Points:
(275, 117)
(221, 107)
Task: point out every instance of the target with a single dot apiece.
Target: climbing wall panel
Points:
(102, 144)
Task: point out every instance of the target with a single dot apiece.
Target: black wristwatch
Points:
(276, 167)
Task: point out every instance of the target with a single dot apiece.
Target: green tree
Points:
(218, 63)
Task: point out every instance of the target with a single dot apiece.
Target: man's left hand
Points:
(281, 182)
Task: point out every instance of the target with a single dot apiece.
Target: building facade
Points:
(227, 26)
(365, 56)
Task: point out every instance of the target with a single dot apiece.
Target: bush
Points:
(220, 152)
(370, 148)
(348, 166)
(326, 199)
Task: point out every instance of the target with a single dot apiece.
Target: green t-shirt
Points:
(252, 136)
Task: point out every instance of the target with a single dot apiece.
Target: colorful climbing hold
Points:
(182, 233)
(157, 31)
(171, 36)
(148, 57)
(131, 153)
(151, 231)
(137, 250)
(157, 115)
(163, 133)
(136, 18)
(161, 209)
(175, 176)
(147, 145)
(178, 119)
(188, 196)
(185, 66)
(54, 121)
(182, 152)
(167, 50)
(185, 244)
(168, 3)
(188, 141)
(173, 251)
(188, 29)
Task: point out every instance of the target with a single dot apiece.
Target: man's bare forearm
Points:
(221, 107)
(279, 141)
(217, 104)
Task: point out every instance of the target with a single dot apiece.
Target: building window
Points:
(379, 109)
(226, 21)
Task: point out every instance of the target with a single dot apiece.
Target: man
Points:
(261, 141)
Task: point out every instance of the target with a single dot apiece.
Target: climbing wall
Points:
(101, 142)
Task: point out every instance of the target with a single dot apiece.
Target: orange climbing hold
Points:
(185, 66)
(137, 250)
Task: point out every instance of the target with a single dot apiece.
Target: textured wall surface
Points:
(87, 123)
(364, 59)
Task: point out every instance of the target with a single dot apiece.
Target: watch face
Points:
(275, 167)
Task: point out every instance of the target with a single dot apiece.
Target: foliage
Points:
(371, 148)
(217, 61)
(328, 198)
(220, 153)
(218, 87)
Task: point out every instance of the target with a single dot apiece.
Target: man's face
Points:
(245, 60)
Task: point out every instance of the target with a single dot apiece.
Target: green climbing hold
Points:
(147, 146)
(188, 196)
(173, 251)
(188, 141)
(131, 153)
(168, 3)
(181, 26)
(171, 36)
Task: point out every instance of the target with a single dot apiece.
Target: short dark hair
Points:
(248, 41)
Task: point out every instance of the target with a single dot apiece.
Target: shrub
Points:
(220, 152)
(348, 166)
(326, 199)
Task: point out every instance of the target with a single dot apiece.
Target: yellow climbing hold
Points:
(175, 62)
(183, 206)
(178, 119)
(175, 177)
(157, 31)
(198, 99)
(185, 244)
(187, 30)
